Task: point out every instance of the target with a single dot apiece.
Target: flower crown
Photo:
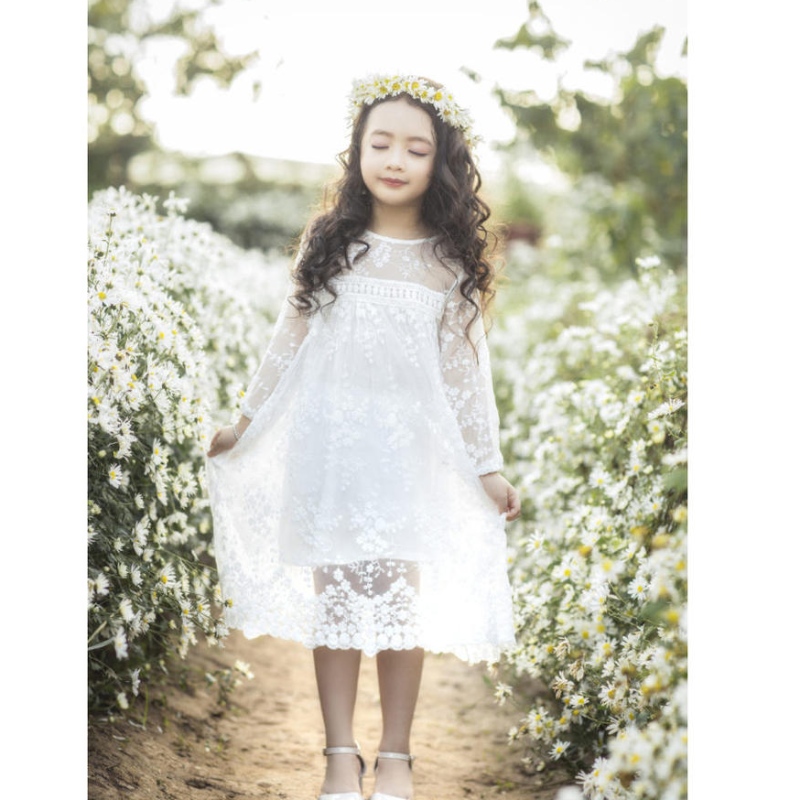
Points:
(376, 87)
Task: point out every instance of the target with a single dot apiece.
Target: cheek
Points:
(367, 159)
(429, 165)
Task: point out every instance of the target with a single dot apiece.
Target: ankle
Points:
(388, 745)
(393, 776)
(395, 763)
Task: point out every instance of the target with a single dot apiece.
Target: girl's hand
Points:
(502, 494)
(222, 440)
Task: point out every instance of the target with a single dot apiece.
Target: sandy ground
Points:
(267, 742)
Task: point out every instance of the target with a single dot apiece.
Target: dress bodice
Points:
(426, 323)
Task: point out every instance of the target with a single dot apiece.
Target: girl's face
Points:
(397, 154)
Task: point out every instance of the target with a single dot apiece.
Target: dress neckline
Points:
(398, 241)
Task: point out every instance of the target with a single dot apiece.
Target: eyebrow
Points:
(423, 139)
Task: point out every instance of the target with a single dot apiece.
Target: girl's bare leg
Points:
(337, 685)
(399, 678)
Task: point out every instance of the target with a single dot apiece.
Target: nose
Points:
(395, 158)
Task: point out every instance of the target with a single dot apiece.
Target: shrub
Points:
(592, 384)
(166, 343)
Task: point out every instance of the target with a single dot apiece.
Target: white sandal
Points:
(332, 751)
(399, 757)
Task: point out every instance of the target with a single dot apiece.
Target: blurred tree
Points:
(117, 31)
(636, 141)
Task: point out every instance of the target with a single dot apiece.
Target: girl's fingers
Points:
(513, 504)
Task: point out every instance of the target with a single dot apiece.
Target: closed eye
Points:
(386, 147)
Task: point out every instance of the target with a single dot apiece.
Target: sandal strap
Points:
(401, 756)
(333, 751)
(398, 756)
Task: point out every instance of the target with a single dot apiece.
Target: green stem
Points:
(97, 631)
(101, 644)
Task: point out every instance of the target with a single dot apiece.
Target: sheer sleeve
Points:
(468, 382)
(288, 334)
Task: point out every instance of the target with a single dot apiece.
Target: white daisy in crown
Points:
(378, 87)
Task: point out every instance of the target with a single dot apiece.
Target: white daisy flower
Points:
(244, 668)
(166, 577)
(669, 407)
(657, 431)
(502, 692)
(638, 589)
(558, 749)
(117, 477)
(126, 609)
(101, 584)
(120, 643)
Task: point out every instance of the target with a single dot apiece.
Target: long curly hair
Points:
(451, 209)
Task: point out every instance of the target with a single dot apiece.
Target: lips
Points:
(392, 182)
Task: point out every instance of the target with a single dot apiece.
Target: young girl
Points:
(358, 505)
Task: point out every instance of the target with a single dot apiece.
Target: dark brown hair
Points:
(451, 210)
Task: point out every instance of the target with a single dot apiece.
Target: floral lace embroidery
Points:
(350, 513)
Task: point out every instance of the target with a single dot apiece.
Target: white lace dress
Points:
(351, 514)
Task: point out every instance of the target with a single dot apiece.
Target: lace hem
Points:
(472, 653)
(247, 410)
(487, 467)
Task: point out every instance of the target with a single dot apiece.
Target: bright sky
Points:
(310, 54)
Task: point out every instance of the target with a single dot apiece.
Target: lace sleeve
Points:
(468, 381)
(288, 334)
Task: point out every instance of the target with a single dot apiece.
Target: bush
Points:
(592, 384)
(166, 342)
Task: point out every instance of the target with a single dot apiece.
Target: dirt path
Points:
(268, 743)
